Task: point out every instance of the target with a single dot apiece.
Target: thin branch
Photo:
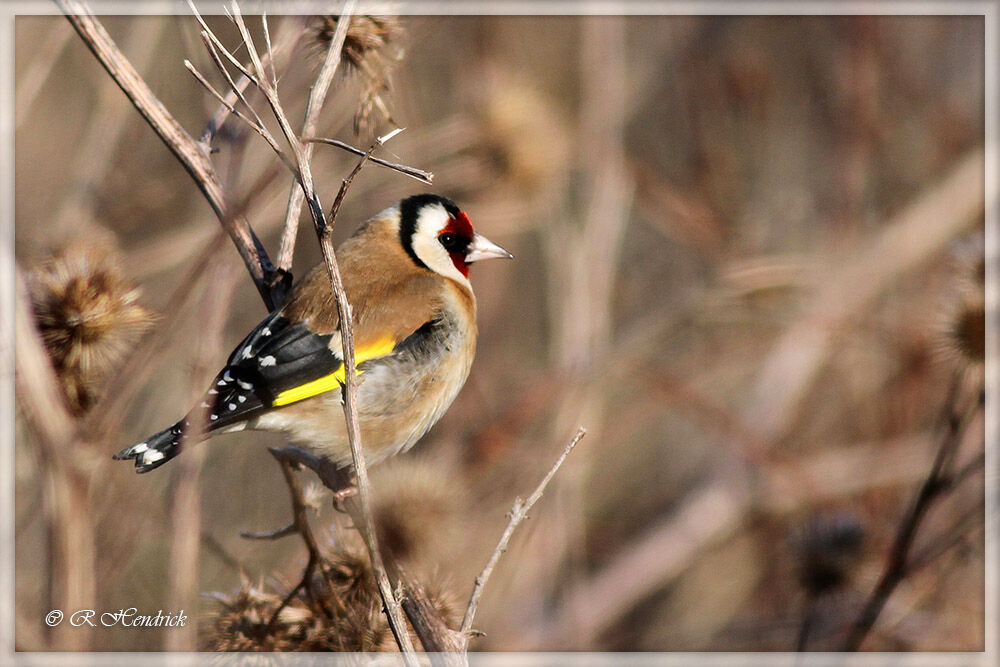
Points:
(898, 562)
(254, 125)
(339, 200)
(257, 126)
(269, 54)
(367, 524)
(300, 525)
(427, 623)
(258, 66)
(517, 514)
(968, 523)
(229, 56)
(286, 40)
(181, 144)
(418, 174)
(221, 66)
(213, 45)
(313, 107)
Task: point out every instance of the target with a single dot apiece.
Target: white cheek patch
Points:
(426, 246)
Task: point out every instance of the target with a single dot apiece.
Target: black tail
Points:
(155, 450)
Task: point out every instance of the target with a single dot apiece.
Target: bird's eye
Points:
(448, 240)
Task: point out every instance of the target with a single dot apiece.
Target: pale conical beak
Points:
(482, 248)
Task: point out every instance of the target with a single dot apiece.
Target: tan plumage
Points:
(406, 277)
(387, 291)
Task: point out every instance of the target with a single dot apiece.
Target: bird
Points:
(406, 276)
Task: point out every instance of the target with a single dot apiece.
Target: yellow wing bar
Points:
(332, 381)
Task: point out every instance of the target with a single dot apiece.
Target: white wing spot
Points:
(268, 361)
(140, 448)
(232, 406)
(245, 385)
(152, 456)
(214, 417)
(241, 398)
(265, 331)
(212, 391)
(226, 376)
(205, 404)
(247, 353)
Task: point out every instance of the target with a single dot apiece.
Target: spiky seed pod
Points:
(88, 316)
(968, 331)
(962, 332)
(371, 48)
(341, 612)
(367, 36)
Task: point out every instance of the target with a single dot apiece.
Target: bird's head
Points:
(439, 236)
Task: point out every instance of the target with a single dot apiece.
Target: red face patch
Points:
(461, 227)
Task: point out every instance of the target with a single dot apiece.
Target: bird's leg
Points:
(343, 494)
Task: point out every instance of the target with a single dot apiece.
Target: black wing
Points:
(276, 356)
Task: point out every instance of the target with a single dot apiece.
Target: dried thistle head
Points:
(242, 622)
(88, 316)
(967, 330)
(371, 49)
(962, 332)
(340, 610)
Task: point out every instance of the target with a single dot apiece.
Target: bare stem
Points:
(300, 525)
(286, 39)
(313, 107)
(517, 514)
(367, 525)
(188, 151)
(898, 563)
(419, 174)
(427, 623)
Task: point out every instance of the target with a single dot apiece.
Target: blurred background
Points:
(749, 262)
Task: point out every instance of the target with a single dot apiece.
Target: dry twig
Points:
(287, 39)
(324, 232)
(300, 525)
(418, 174)
(430, 628)
(937, 482)
(313, 107)
(518, 513)
(181, 144)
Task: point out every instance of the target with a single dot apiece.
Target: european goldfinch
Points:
(406, 274)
